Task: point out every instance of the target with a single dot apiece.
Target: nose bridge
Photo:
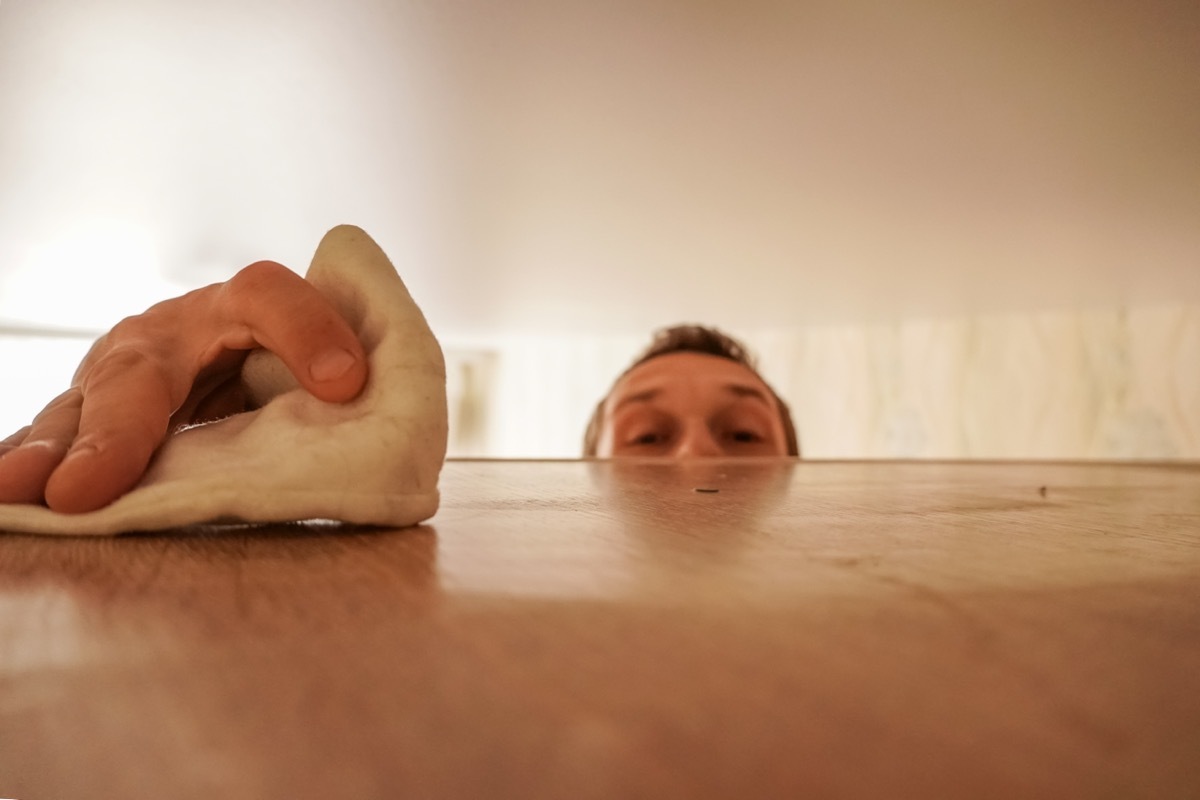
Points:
(697, 440)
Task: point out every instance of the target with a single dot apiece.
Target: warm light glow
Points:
(86, 279)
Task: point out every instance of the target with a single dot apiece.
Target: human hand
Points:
(177, 363)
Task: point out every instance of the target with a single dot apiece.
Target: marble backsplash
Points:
(1114, 384)
(1095, 385)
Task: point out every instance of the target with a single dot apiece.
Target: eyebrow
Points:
(640, 397)
(746, 390)
(736, 389)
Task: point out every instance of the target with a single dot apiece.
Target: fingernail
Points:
(331, 365)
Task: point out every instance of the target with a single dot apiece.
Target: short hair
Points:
(693, 339)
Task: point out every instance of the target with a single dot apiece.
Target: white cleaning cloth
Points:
(374, 460)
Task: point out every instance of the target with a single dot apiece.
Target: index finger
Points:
(272, 307)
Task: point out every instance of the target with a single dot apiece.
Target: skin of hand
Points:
(176, 364)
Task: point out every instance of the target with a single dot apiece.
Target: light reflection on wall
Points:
(38, 368)
(86, 278)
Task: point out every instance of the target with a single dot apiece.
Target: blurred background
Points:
(950, 230)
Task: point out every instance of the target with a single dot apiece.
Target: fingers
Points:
(123, 419)
(28, 457)
(25, 470)
(14, 440)
(290, 317)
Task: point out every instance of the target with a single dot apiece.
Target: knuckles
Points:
(258, 280)
(120, 362)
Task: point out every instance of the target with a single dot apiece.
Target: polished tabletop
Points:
(630, 629)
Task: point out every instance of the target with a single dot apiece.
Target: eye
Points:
(745, 436)
(648, 438)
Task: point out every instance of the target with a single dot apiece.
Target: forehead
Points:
(685, 372)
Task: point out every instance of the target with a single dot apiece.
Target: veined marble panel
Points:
(1117, 384)
(1068, 385)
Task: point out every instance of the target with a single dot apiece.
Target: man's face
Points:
(690, 405)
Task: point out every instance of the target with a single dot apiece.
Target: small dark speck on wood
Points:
(1042, 491)
(706, 490)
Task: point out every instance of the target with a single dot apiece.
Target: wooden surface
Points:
(573, 629)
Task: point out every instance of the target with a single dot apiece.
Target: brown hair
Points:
(693, 339)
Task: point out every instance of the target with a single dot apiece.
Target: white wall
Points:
(571, 167)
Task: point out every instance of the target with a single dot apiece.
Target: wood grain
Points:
(603, 629)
